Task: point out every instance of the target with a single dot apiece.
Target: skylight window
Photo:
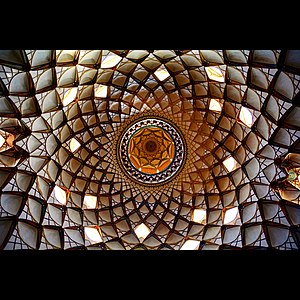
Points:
(230, 215)
(142, 231)
(2, 141)
(190, 245)
(230, 164)
(110, 61)
(215, 73)
(69, 96)
(199, 215)
(246, 117)
(215, 105)
(162, 73)
(101, 91)
(93, 234)
(90, 201)
(60, 195)
(74, 145)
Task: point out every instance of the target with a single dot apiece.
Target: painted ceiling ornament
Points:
(151, 150)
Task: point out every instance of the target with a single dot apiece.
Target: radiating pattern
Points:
(64, 112)
(151, 151)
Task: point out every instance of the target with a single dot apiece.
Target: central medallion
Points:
(150, 146)
(151, 150)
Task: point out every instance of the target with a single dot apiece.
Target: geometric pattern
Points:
(63, 112)
(151, 151)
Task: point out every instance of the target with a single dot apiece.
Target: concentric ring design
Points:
(149, 172)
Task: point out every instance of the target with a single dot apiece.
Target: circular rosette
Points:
(151, 150)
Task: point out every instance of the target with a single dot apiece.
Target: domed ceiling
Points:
(149, 149)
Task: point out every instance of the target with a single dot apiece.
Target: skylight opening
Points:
(74, 145)
(2, 141)
(246, 117)
(101, 91)
(215, 73)
(199, 215)
(110, 61)
(215, 105)
(69, 96)
(60, 195)
(93, 234)
(89, 201)
(230, 164)
(162, 73)
(190, 245)
(230, 215)
(142, 231)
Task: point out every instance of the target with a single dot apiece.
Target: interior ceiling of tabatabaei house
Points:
(149, 149)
